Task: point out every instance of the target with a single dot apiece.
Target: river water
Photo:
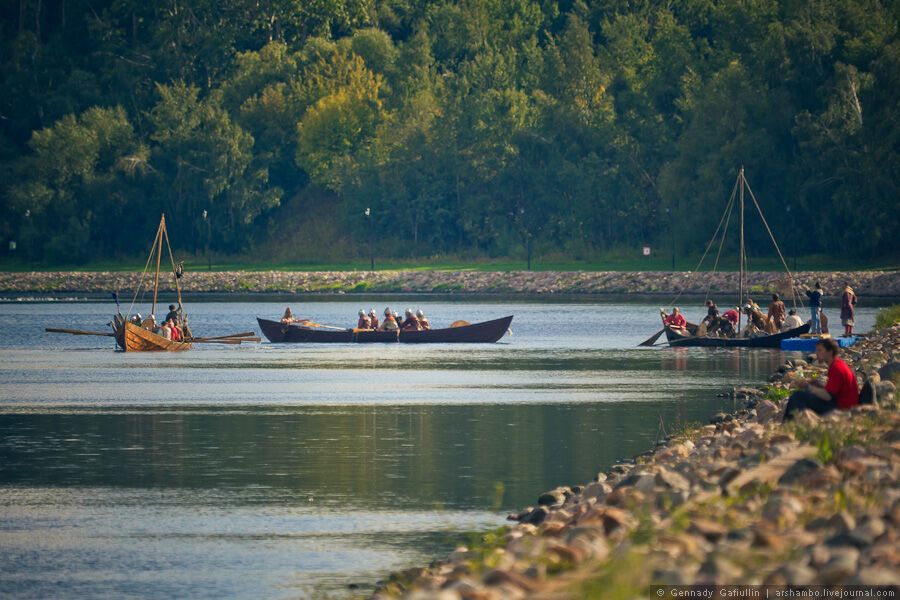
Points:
(313, 471)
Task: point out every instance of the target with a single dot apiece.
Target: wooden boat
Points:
(132, 338)
(132, 335)
(688, 337)
(486, 332)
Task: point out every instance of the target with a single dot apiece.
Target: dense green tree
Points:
(468, 127)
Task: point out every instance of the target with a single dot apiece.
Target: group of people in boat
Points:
(412, 321)
(174, 327)
(725, 324)
(776, 319)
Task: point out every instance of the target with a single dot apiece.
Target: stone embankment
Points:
(742, 500)
(665, 284)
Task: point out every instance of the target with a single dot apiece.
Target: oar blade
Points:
(652, 339)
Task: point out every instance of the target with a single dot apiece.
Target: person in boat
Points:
(424, 325)
(730, 322)
(288, 316)
(841, 390)
(150, 323)
(363, 321)
(410, 322)
(136, 319)
(713, 322)
(815, 307)
(674, 321)
(373, 319)
(848, 309)
(756, 322)
(174, 313)
(777, 313)
(165, 331)
(389, 323)
(175, 331)
(792, 321)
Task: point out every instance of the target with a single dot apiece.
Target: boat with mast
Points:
(692, 335)
(133, 334)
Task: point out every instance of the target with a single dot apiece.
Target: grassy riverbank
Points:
(742, 500)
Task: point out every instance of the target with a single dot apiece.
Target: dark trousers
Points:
(803, 399)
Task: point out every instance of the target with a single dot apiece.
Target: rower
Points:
(410, 323)
(729, 322)
(288, 316)
(389, 323)
(423, 320)
(373, 319)
(676, 320)
(363, 322)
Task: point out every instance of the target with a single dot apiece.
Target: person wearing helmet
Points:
(423, 320)
(410, 323)
(389, 323)
(363, 322)
(373, 319)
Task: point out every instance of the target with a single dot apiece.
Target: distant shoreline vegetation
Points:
(331, 131)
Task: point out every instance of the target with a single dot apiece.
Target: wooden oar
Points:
(222, 340)
(246, 334)
(652, 339)
(78, 332)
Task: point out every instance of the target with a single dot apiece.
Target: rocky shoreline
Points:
(742, 500)
(868, 284)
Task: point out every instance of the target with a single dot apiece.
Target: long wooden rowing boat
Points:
(486, 332)
(133, 338)
(686, 339)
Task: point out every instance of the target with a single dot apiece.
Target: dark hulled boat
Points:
(689, 337)
(689, 340)
(486, 332)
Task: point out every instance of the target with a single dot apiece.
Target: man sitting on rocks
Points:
(841, 390)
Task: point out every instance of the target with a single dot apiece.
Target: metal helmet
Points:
(362, 313)
(372, 313)
(409, 311)
(387, 311)
(419, 313)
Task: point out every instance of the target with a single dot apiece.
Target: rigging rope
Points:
(774, 243)
(729, 209)
(705, 252)
(146, 266)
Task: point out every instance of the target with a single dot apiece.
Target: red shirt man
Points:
(839, 392)
(676, 319)
(842, 385)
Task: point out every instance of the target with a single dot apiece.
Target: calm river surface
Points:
(306, 471)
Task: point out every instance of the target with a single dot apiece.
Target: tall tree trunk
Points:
(62, 14)
(37, 21)
(21, 16)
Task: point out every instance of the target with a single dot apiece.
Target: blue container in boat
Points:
(809, 344)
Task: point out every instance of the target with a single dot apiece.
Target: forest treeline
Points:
(465, 127)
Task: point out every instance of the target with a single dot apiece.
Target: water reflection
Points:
(292, 471)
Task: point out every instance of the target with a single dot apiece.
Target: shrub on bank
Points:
(888, 316)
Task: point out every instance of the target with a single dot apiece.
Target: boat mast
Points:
(741, 258)
(159, 239)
